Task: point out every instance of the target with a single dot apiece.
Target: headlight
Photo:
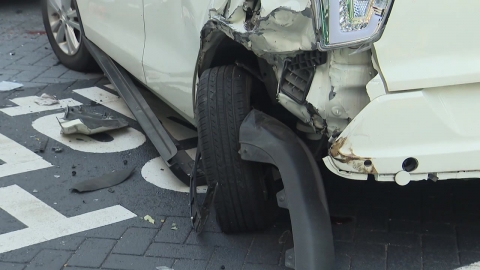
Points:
(347, 23)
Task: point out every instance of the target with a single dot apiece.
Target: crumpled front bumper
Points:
(437, 127)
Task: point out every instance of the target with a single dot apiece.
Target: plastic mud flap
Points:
(265, 139)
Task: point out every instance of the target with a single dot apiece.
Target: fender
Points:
(265, 139)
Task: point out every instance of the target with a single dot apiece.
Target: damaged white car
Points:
(369, 87)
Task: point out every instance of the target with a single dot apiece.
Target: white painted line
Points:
(123, 139)
(18, 159)
(107, 99)
(158, 173)
(56, 228)
(27, 208)
(27, 105)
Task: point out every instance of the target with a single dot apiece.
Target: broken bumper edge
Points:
(265, 139)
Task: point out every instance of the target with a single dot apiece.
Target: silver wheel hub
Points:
(65, 26)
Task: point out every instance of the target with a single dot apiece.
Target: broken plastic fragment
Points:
(76, 120)
(7, 86)
(46, 100)
(163, 268)
(56, 176)
(34, 191)
(174, 226)
(149, 219)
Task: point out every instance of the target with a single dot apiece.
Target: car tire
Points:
(73, 57)
(223, 101)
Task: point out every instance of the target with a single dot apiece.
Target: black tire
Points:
(223, 101)
(80, 61)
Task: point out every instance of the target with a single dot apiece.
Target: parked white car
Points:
(371, 87)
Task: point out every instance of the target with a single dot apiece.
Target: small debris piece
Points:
(74, 173)
(77, 120)
(56, 176)
(174, 226)
(73, 166)
(111, 190)
(42, 146)
(163, 268)
(162, 220)
(104, 181)
(161, 169)
(57, 149)
(125, 162)
(34, 191)
(46, 100)
(149, 219)
(222, 267)
(12, 53)
(8, 86)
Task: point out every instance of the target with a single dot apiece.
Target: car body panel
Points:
(116, 27)
(437, 126)
(428, 44)
(171, 49)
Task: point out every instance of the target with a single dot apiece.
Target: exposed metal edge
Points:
(135, 102)
(265, 139)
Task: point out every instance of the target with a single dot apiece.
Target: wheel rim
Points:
(65, 26)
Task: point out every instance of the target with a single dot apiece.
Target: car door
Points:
(116, 27)
(172, 29)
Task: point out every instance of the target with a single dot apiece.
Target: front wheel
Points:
(63, 28)
(244, 200)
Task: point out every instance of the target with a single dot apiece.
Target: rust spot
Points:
(36, 32)
(356, 162)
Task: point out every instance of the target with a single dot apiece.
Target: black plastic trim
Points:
(265, 139)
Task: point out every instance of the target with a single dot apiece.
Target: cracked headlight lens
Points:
(347, 23)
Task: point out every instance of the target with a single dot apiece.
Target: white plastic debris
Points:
(56, 176)
(46, 100)
(163, 268)
(35, 191)
(149, 219)
(8, 86)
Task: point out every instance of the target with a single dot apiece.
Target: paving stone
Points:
(342, 262)
(468, 238)
(228, 257)
(51, 80)
(63, 243)
(438, 228)
(167, 235)
(114, 231)
(265, 249)
(49, 260)
(27, 68)
(440, 266)
(179, 251)
(92, 252)
(404, 258)
(26, 76)
(220, 239)
(342, 210)
(250, 266)
(469, 257)
(11, 266)
(344, 231)
(48, 61)
(129, 262)
(439, 248)
(31, 58)
(186, 264)
(397, 239)
(23, 255)
(369, 256)
(134, 241)
(70, 74)
(406, 210)
(344, 248)
(9, 223)
(372, 219)
(54, 72)
(404, 226)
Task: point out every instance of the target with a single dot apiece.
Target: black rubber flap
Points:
(104, 181)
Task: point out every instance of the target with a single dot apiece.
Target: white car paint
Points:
(172, 29)
(437, 126)
(429, 44)
(117, 27)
